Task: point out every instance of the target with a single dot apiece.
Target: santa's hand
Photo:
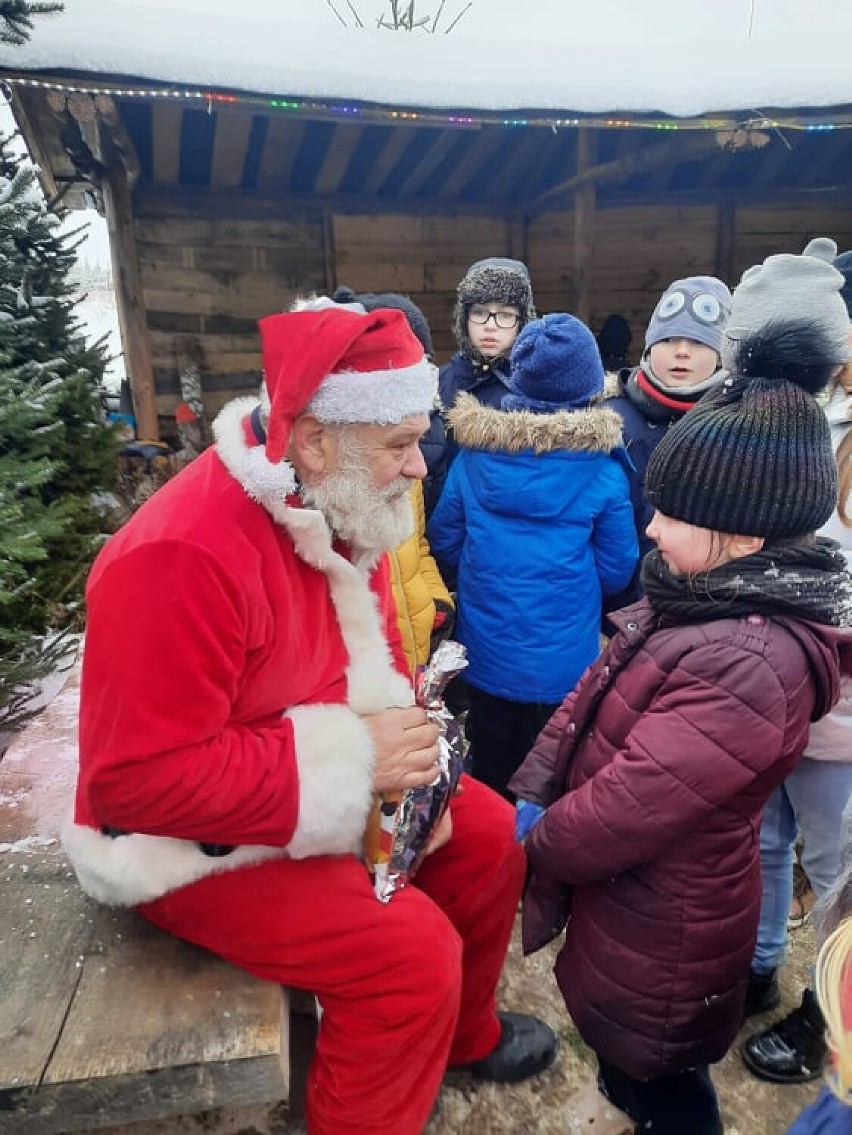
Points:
(406, 749)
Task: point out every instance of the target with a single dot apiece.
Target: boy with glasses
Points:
(494, 304)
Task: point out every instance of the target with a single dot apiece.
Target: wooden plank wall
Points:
(638, 251)
(212, 278)
(423, 257)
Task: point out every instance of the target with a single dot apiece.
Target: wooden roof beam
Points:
(167, 127)
(430, 161)
(480, 148)
(130, 302)
(41, 155)
(776, 156)
(528, 159)
(396, 145)
(344, 141)
(662, 155)
(280, 150)
(230, 146)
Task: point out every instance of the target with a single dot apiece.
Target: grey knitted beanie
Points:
(803, 289)
(843, 264)
(754, 456)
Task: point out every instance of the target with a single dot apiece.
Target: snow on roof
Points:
(551, 55)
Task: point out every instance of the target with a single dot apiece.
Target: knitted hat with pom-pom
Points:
(787, 288)
(754, 456)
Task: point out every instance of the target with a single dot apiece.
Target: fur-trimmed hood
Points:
(595, 430)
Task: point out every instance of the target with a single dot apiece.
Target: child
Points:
(424, 605)
(831, 1114)
(655, 769)
(809, 803)
(494, 303)
(681, 362)
(536, 517)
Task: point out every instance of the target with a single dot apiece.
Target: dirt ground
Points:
(563, 1101)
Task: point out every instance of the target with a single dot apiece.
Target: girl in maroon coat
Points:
(654, 771)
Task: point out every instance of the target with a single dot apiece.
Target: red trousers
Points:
(406, 987)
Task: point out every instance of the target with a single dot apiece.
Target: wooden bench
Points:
(105, 1020)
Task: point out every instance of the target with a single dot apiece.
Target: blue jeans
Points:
(811, 800)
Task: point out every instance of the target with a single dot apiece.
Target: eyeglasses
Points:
(505, 320)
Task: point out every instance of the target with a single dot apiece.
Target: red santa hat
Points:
(342, 365)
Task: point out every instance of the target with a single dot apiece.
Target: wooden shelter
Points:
(224, 204)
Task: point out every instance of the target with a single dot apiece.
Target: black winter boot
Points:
(791, 1051)
(762, 994)
(526, 1047)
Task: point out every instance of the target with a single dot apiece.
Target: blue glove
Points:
(527, 816)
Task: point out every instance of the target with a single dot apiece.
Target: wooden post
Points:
(130, 304)
(584, 224)
(328, 252)
(516, 237)
(726, 232)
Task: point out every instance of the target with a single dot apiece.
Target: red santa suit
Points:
(226, 775)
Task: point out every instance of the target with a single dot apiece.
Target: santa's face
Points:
(364, 495)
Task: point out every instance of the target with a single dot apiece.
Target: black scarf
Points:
(805, 581)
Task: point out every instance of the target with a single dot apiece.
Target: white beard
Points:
(369, 520)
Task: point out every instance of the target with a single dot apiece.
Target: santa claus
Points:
(244, 695)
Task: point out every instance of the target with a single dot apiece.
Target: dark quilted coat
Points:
(668, 748)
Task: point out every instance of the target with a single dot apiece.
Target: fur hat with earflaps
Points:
(754, 456)
(497, 279)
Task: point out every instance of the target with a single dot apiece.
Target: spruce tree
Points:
(17, 18)
(57, 455)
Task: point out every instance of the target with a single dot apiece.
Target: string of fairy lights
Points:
(369, 112)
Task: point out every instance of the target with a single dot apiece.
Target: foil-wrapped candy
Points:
(401, 823)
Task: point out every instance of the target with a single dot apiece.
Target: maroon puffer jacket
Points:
(671, 744)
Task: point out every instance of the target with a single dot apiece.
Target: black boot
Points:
(793, 1050)
(526, 1047)
(762, 993)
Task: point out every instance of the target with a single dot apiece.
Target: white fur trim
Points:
(382, 396)
(263, 481)
(334, 756)
(131, 869)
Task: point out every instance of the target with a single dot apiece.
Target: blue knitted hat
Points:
(696, 308)
(556, 365)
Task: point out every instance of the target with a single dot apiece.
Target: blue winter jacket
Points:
(828, 1116)
(536, 516)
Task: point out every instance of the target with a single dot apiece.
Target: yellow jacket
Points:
(417, 584)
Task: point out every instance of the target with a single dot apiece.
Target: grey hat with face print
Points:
(696, 308)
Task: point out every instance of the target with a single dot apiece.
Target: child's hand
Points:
(527, 816)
